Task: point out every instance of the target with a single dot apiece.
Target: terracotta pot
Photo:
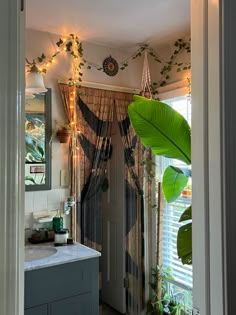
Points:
(64, 135)
(147, 94)
(186, 193)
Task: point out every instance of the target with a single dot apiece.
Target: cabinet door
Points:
(77, 305)
(38, 310)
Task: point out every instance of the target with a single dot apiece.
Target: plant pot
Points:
(64, 135)
(187, 193)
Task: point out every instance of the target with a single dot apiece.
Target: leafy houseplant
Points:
(166, 302)
(63, 132)
(168, 134)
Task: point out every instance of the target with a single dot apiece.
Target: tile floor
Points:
(106, 310)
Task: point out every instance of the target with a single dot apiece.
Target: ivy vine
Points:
(73, 46)
(169, 65)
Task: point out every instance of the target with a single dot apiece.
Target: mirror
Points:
(37, 138)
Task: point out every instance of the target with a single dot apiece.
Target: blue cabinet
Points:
(76, 305)
(38, 310)
(70, 289)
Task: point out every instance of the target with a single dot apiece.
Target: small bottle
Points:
(57, 223)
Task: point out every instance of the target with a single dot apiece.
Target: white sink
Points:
(38, 252)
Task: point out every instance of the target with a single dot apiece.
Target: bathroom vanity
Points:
(61, 281)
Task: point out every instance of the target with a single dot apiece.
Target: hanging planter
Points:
(64, 135)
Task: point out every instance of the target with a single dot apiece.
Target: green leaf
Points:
(186, 215)
(184, 243)
(68, 46)
(30, 178)
(174, 182)
(161, 128)
(59, 43)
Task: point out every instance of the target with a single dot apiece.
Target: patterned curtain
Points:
(95, 116)
(95, 109)
(133, 151)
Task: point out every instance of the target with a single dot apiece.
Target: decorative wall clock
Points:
(110, 66)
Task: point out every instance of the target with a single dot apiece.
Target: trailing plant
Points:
(168, 134)
(180, 45)
(166, 302)
(73, 46)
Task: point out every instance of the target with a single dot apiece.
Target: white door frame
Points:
(12, 188)
(214, 155)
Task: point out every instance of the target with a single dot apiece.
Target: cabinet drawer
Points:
(38, 310)
(58, 282)
(77, 305)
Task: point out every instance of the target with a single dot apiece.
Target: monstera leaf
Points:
(174, 181)
(161, 128)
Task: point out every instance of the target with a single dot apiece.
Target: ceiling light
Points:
(34, 80)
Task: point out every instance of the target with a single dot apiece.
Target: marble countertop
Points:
(64, 254)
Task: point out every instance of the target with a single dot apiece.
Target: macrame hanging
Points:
(146, 79)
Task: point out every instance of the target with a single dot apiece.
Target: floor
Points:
(106, 310)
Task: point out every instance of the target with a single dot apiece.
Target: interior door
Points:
(113, 217)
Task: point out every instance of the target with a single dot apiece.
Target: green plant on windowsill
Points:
(168, 134)
(164, 302)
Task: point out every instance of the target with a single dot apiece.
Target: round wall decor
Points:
(110, 66)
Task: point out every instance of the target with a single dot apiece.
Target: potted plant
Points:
(165, 302)
(187, 192)
(168, 134)
(63, 132)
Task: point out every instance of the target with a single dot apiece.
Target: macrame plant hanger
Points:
(146, 79)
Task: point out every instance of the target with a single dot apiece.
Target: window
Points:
(172, 212)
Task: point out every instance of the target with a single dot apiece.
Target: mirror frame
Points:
(48, 150)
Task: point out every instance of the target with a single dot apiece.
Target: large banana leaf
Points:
(184, 243)
(161, 128)
(173, 183)
(186, 215)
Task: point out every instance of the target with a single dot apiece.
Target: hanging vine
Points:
(73, 46)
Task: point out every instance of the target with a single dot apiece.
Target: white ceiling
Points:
(114, 23)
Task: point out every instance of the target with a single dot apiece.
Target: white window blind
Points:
(172, 212)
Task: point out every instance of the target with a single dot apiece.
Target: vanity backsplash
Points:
(40, 208)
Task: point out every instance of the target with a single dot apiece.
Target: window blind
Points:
(172, 212)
